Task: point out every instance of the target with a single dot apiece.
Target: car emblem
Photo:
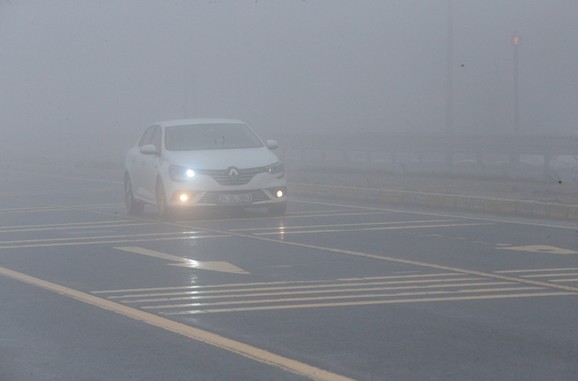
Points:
(233, 174)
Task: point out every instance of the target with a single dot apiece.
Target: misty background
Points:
(81, 79)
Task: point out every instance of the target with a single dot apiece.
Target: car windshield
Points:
(210, 136)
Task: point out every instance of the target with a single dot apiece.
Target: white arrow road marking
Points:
(539, 249)
(220, 266)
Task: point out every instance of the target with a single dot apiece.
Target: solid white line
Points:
(382, 223)
(344, 294)
(322, 286)
(535, 270)
(369, 303)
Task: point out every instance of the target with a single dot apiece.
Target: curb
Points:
(526, 208)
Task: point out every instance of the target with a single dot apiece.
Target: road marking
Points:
(196, 334)
(470, 216)
(544, 249)
(78, 241)
(219, 266)
(374, 302)
(406, 227)
(33, 210)
(409, 276)
(318, 294)
(370, 224)
(200, 287)
(289, 290)
(549, 275)
(536, 270)
(200, 306)
(72, 226)
(385, 258)
(201, 233)
(338, 251)
(269, 284)
(292, 215)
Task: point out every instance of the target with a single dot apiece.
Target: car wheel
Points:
(165, 211)
(133, 206)
(277, 210)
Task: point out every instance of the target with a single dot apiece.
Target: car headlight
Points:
(182, 174)
(277, 169)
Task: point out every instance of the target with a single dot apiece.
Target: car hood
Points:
(223, 158)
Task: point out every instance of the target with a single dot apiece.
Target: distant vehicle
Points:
(189, 163)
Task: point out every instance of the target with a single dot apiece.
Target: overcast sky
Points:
(75, 70)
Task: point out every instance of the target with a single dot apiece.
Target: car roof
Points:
(181, 122)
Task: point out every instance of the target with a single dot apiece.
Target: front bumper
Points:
(238, 197)
(204, 190)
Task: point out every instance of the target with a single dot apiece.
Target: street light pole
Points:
(516, 41)
(449, 63)
(449, 89)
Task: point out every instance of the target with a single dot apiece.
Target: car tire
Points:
(277, 210)
(165, 212)
(133, 206)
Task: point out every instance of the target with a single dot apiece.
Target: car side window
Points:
(146, 137)
(156, 138)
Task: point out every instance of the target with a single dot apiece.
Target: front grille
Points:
(233, 176)
(213, 197)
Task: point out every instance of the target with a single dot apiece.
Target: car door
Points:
(138, 162)
(150, 167)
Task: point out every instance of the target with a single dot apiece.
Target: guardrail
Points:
(509, 155)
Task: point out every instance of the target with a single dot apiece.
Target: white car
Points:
(203, 162)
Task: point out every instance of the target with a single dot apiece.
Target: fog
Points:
(87, 76)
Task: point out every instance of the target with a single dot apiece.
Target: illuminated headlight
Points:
(183, 197)
(179, 173)
(277, 169)
(279, 193)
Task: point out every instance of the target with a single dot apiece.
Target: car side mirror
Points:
(272, 144)
(149, 149)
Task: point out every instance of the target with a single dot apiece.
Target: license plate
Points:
(242, 198)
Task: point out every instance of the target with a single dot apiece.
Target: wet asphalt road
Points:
(331, 291)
